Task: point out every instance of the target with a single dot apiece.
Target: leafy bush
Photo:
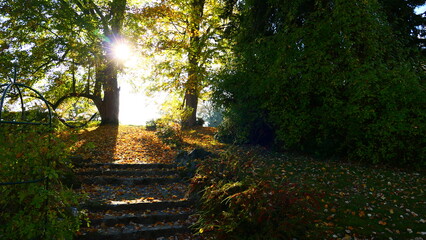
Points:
(240, 200)
(151, 125)
(230, 132)
(39, 210)
(170, 133)
(330, 79)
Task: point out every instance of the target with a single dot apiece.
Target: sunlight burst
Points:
(122, 51)
(135, 107)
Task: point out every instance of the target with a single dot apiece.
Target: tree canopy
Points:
(65, 46)
(342, 78)
(330, 77)
(183, 39)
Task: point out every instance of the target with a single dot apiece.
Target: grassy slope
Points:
(358, 201)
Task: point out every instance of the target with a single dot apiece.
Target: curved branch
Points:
(96, 99)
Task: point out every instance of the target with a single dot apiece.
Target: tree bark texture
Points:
(111, 101)
(192, 86)
(109, 109)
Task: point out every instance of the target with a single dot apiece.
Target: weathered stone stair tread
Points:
(129, 181)
(111, 221)
(139, 206)
(134, 201)
(110, 213)
(151, 232)
(131, 166)
(127, 173)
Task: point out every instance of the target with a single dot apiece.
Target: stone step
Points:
(95, 207)
(103, 180)
(99, 216)
(111, 221)
(135, 232)
(126, 172)
(134, 201)
(127, 166)
(130, 194)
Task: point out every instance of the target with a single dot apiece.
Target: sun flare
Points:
(135, 107)
(122, 51)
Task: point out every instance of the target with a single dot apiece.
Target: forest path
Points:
(133, 186)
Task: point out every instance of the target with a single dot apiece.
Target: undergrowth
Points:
(43, 209)
(240, 199)
(169, 132)
(250, 193)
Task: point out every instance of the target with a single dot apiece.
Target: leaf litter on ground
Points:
(122, 145)
(359, 202)
(126, 145)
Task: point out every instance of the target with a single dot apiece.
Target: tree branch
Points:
(101, 16)
(97, 100)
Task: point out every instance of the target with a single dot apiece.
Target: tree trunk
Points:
(190, 104)
(192, 86)
(111, 101)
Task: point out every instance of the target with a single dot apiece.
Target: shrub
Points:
(151, 125)
(240, 200)
(228, 132)
(170, 133)
(40, 210)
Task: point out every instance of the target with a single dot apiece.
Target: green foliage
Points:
(76, 109)
(65, 48)
(35, 210)
(229, 131)
(151, 125)
(329, 78)
(242, 200)
(182, 43)
(170, 133)
(39, 36)
(404, 21)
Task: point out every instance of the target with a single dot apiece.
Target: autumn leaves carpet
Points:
(132, 186)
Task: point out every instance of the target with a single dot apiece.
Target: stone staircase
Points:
(135, 201)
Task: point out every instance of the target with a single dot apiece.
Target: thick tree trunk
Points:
(190, 104)
(111, 100)
(192, 86)
(110, 108)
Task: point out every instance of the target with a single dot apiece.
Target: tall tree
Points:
(328, 77)
(60, 39)
(409, 26)
(185, 37)
(192, 85)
